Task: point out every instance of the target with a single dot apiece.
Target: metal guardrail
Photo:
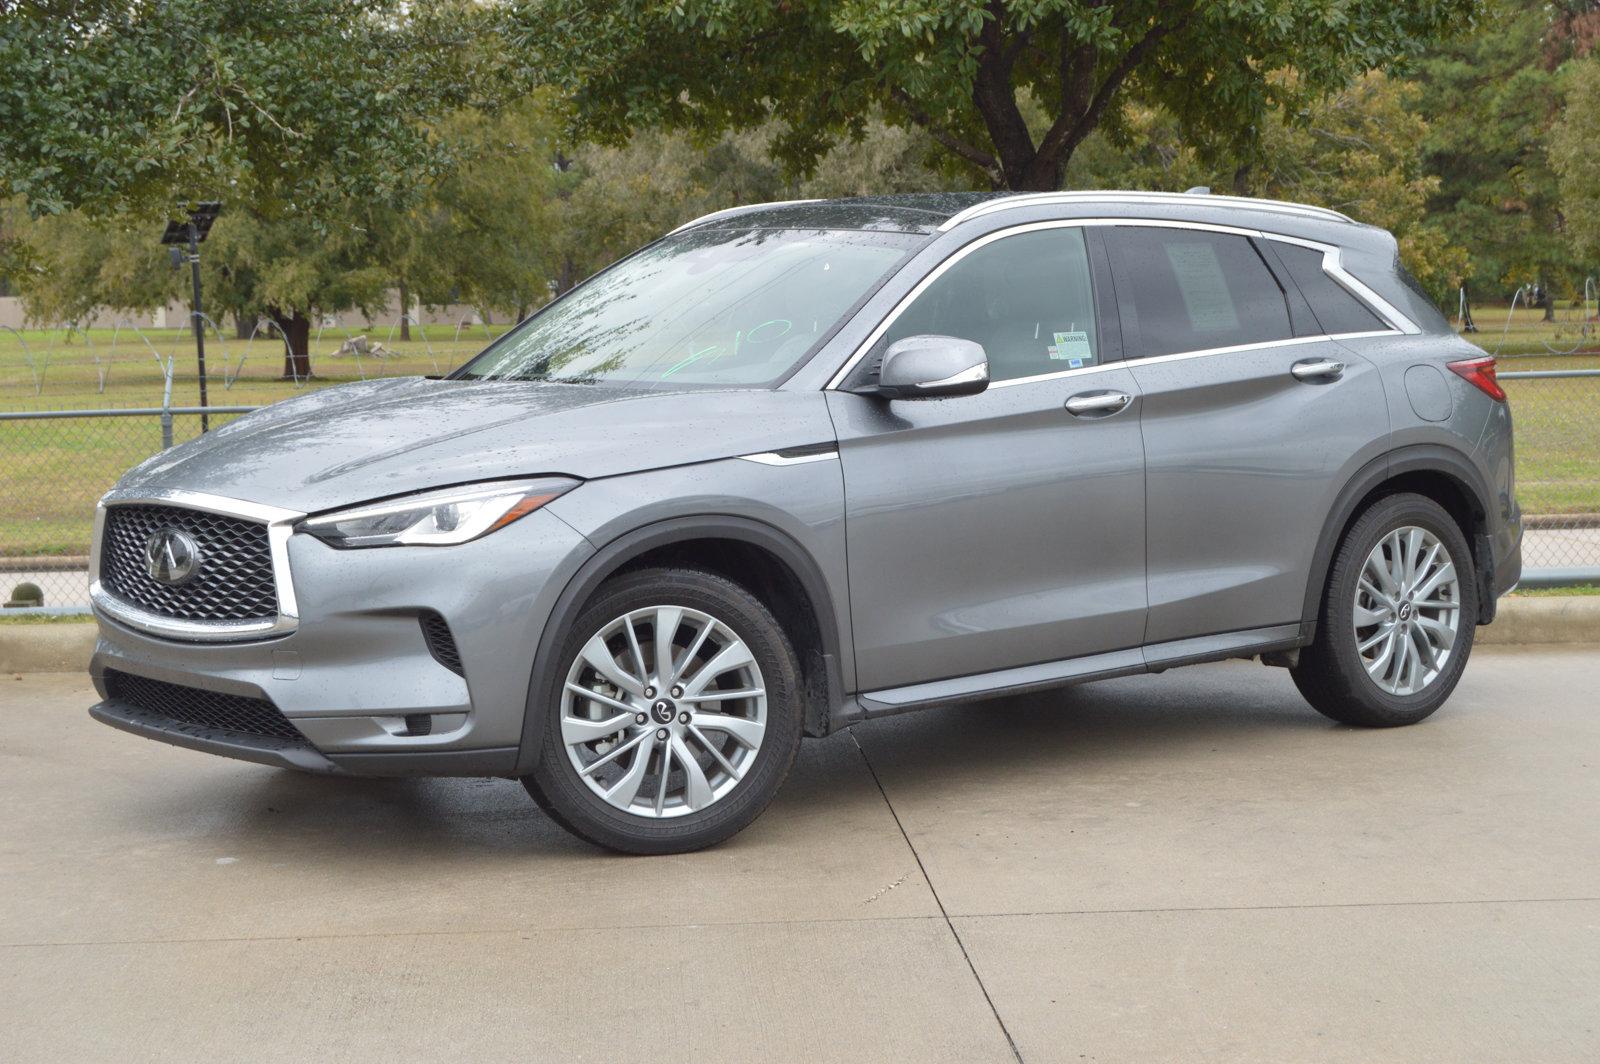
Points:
(58, 463)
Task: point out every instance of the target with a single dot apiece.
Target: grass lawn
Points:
(55, 470)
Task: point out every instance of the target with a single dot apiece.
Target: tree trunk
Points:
(566, 277)
(244, 325)
(405, 312)
(1547, 301)
(297, 350)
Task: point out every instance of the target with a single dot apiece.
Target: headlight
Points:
(437, 518)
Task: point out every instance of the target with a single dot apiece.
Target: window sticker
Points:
(1205, 290)
(1072, 347)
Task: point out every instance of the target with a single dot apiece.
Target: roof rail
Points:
(1030, 199)
(732, 212)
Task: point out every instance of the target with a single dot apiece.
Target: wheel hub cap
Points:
(1407, 610)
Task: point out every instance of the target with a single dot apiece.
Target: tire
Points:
(712, 621)
(1375, 691)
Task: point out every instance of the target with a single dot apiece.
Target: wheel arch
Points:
(1446, 476)
(747, 551)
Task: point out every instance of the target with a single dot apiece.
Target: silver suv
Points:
(799, 465)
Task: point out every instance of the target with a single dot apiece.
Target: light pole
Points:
(192, 232)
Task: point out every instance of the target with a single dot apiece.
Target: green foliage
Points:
(482, 232)
(1489, 99)
(76, 266)
(1357, 151)
(1575, 151)
(293, 106)
(968, 72)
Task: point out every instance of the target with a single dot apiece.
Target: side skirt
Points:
(1155, 658)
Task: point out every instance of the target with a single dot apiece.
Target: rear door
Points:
(999, 529)
(1252, 421)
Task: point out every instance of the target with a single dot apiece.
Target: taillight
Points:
(1479, 372)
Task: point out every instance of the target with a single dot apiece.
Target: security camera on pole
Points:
(192, 232)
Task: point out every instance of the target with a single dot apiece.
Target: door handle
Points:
(1098, 404)
(1317, 369)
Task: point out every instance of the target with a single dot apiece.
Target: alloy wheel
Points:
(663, 711)
(1407, 610)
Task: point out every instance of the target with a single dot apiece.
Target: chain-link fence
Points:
(57, 463)
(1557, 418)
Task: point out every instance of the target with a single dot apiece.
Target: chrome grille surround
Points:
(279, 526)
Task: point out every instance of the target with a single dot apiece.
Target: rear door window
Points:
(1189, 289)
(1336, 310)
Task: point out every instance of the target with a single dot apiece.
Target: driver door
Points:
(1001, 529)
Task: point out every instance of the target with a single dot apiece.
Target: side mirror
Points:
(933, 367)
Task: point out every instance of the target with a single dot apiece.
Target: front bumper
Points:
(262, 749)
(357, 663)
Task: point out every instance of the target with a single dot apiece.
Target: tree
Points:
(289, 111)
(78, 266)
(1490, 99)
(484, 232)
(1356, 151)
(1575, 151)
(970, 73)
(293, 278)
(293, 105)
(1360, 152)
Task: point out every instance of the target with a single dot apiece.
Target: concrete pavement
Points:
(1193, 866)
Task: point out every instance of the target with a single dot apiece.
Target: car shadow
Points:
(1117, 722)
(1108, 726)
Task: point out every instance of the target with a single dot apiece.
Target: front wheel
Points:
(675, 714)
(1397, 617)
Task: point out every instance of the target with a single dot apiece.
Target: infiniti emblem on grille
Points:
(171, 557)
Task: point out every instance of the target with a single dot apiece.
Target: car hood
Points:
(379, 438)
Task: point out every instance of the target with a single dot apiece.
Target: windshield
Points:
(734, 308)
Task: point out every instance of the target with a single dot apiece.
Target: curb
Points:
(46, 647)
(1557, 620)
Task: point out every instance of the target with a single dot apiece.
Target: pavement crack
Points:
(1016, 1054)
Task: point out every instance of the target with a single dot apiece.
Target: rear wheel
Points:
(675, 714)
(1397, 618)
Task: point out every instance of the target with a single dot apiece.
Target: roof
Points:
(941, 211)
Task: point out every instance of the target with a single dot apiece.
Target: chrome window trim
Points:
(1399, 323)
(1293, 341)
(1187, 199)
(280, 526)
(773, 458)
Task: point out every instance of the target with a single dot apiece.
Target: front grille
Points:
(233, 580)
(441, 644)
(211, 710)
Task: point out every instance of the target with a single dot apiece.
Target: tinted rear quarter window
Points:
(1335, 309)
(1188, 290)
